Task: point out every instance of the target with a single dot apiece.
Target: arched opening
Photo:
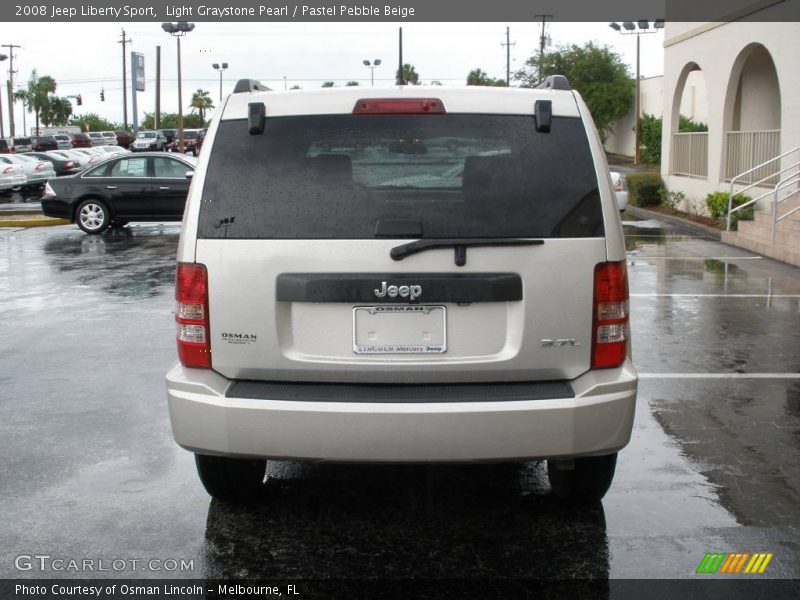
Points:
(752, 115)
(689, 133)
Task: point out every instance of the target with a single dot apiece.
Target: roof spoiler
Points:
(249, 85)
(554, 82)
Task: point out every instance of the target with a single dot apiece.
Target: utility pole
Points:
(124, 41)
(157, 116)
(542, 42)
(508, 45)
(2, 129)
(11, 86)
(400, 79)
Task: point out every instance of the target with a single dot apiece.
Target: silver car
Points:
(109, 138)
(64, 141)
(97, 138)
(12, 175)
(37, 171)
(339, 299)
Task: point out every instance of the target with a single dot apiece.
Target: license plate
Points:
(399, 329)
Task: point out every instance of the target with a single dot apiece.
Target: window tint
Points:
(129, 167)
(169, 167)
(456, 175)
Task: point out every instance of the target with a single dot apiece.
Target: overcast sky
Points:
(85, 57)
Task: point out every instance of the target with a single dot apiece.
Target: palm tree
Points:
(201, 100)
(410, 74)
(38, 93)
(58, 111)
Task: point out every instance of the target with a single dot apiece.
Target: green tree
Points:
(201, 101)
(596, 72)
(650, 139)
(352, 84)
(295, 87)
(328, 84)
(39, 90)
(170, 121)
(93, 122)
(57, 112)
(481, 77)
(687, 125)
(410, 74)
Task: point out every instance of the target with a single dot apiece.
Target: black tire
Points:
(231, 479)
(194, 151)
(93, 216)
(587, 483)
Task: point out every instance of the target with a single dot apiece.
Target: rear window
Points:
(357, 177)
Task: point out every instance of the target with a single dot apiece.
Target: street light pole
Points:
(178, 30)
(2, 129)
(630, 29)
(371, 66)
(219, 68)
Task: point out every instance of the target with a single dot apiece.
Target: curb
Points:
(683, 224)
(41, 222)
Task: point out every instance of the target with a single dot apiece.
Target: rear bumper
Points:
(597, 420)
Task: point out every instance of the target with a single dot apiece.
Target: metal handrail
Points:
(775, 202)
(732, 210)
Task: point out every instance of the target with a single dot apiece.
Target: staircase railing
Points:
(777, 218)
(787, 176)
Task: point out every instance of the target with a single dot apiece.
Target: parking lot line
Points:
(719, 375)
(655, 295)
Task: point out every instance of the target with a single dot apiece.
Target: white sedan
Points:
(12, 175)
(112, 150)
(36, 170)
(81, 158)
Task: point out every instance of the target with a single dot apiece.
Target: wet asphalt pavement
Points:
(90, 470)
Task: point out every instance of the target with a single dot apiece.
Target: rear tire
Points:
(586, 483)
(92, 216)
(231, 479)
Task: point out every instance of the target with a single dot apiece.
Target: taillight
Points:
(8, 170)
(191, 315)
(611, 314)
(49, 192)
(69, 164)
(40, 167)
(399, 106)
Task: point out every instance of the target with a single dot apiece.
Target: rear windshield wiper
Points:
(459, 244)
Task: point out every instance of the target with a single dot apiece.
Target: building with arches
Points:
(751, 79)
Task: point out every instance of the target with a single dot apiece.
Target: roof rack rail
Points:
(249, 85)
(554, 82)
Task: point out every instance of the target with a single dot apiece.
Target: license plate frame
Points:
(436, 345)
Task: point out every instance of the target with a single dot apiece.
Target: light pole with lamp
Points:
(372, 66)
(178, 30)
(219, 68)
(630, 29)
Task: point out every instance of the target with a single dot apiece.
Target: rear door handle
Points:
(164, 187)
(111, 187)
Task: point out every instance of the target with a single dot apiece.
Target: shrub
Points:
(644, 189)
(671, 199)
(717, 204)
(650, 139)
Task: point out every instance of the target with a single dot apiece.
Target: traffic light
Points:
(80, 100)
(102, 96)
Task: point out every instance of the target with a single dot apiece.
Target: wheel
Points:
(585, 483)
(194, 151)
(92, 216)
(234, 479)
(119, 223)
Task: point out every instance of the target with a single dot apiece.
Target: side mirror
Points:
(190, 174)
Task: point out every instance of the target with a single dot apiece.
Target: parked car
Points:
(97, 138)
(84, 160)
(6, 146)
(124, 139)
(61, 165)
(144, 187)
(94, 154)
(63, 140)
(111, 149)
(12, 175)
(109, 138)
(620, 190)
(81, 140)
(37, 171)
(322, 316)
(22, 144)
(42, 143)
(190, 137)
(149, 140)
(169, 134)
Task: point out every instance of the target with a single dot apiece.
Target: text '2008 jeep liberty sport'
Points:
(407, 275)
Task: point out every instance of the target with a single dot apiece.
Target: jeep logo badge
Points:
(412, 292)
